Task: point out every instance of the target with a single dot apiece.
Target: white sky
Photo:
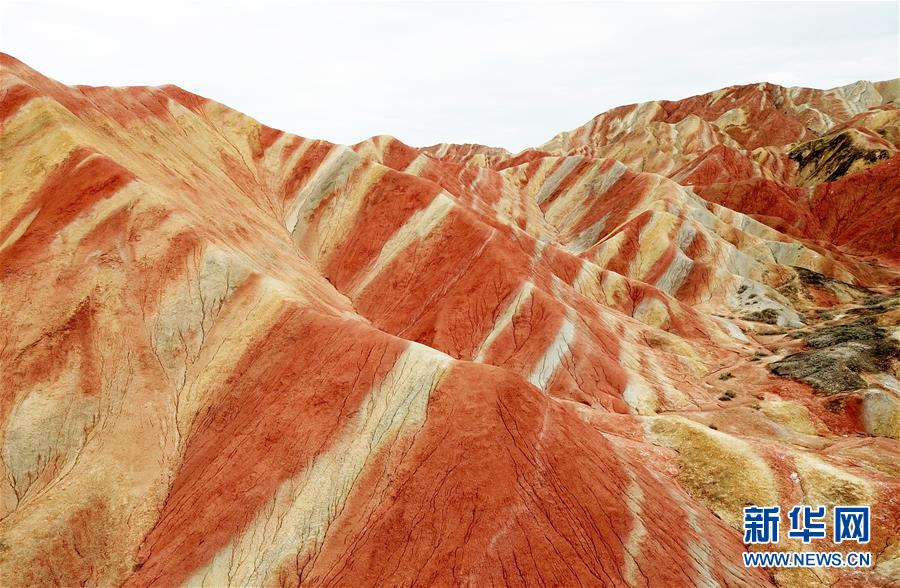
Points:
(506, 74)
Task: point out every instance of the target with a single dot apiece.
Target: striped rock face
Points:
(235, 356)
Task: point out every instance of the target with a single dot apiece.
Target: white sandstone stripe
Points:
(419, 225)
(300, 512)
(701, 553)
(504, 320)
(554, 354)
(334, 167)
(556, 178)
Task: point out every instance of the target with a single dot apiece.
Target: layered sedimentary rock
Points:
(235, 356)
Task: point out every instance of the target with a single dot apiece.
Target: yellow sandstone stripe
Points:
(33, 143)
(339, 216)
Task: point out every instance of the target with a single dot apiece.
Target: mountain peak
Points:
(233, 355)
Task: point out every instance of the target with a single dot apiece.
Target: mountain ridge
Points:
(377, 364)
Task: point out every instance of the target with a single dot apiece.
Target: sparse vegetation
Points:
(832, 157)
(838, 354)
(768, 316)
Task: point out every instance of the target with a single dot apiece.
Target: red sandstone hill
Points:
(235, 356)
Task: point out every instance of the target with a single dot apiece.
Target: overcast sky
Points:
(505, 74)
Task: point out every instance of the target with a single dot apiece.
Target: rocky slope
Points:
(235, 356)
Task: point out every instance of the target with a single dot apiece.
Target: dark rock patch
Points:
(838, 354)
(877, 305)
(768, 316)
(832, 157)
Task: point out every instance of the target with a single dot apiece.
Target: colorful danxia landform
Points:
(232, 356)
